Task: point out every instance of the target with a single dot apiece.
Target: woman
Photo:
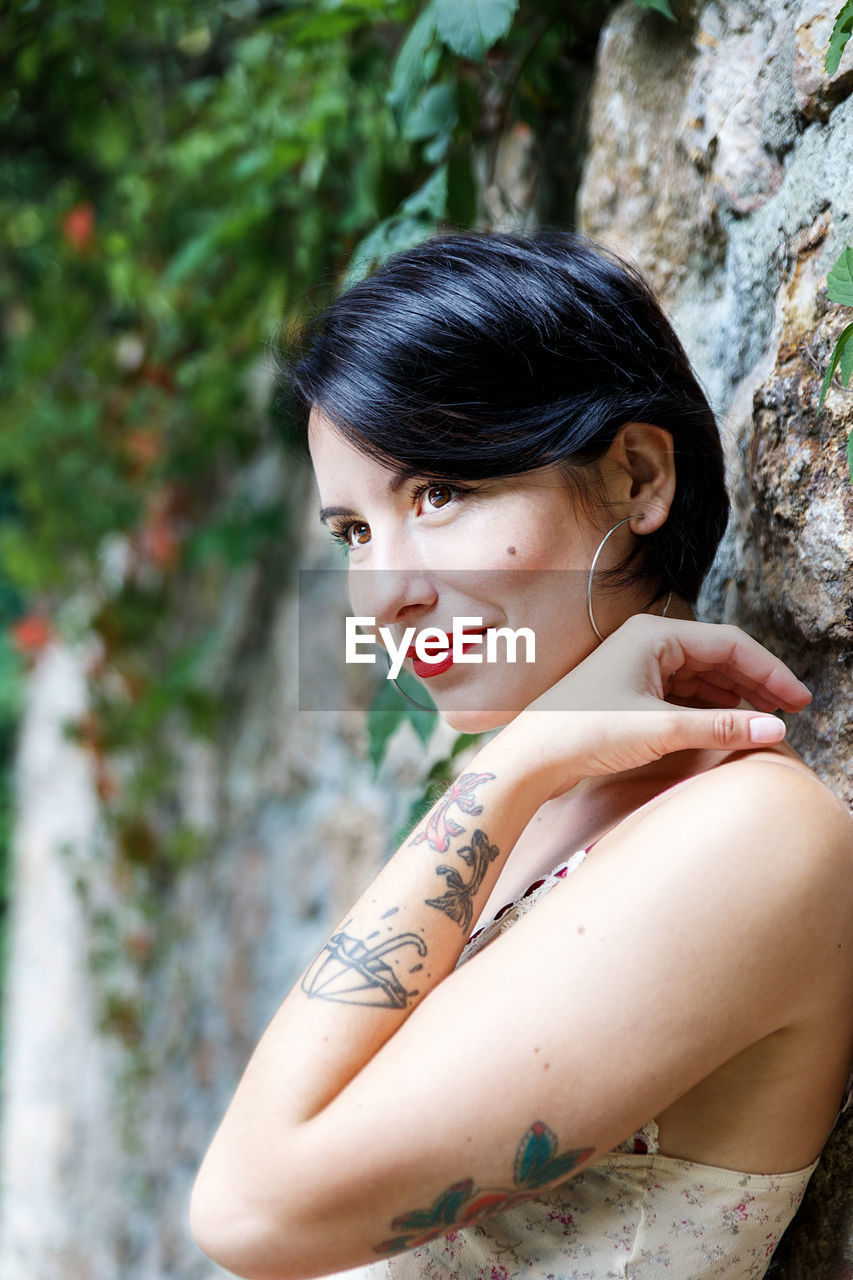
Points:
(636, 1064)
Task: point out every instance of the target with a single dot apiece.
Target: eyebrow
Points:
(395, 484)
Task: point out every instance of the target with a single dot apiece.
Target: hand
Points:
(623, 706)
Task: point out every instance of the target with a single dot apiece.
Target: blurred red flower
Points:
(31, 633)
(78, 226)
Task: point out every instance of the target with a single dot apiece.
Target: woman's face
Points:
(514, 553)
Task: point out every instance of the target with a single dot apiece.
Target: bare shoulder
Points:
(762, 828)
(764, 794)
(758, 835)
(781, 795)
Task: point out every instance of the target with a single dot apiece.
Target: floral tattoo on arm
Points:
(441, 829)
(537, 1168)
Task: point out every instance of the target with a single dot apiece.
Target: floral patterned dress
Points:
(632, 1214)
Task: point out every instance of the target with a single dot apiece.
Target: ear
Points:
(639, 469)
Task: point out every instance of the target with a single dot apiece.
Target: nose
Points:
(392, 595)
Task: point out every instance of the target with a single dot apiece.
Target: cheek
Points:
(543, 544)
(358, 590)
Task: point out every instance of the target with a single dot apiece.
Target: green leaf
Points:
(471, 27)
(416, 63)
(422, 718)
(463, 741)
(416, 218)
(383, 718)
(12, 676)
(839, 282)
(390, 708)
(841, 33)
(436, 113)
(843, 350)
(393, 235)
(194, 253)
(430, 200)
(659, 6)
(845, 363)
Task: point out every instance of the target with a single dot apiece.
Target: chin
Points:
(507, 699)
(466, 720)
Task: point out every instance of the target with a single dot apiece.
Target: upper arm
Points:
(702, 926)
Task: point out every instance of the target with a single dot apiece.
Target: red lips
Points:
(424, 670)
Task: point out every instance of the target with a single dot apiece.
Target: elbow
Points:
(239, 1237)
(228, 1237)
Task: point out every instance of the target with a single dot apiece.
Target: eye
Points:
(358, 534)
(351, 534)
(438, 495)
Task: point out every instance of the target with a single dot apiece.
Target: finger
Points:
(743, 688)
(693, 728)
(716, 690)
(690, 683)
(707, 703)
(709, 695)
(705, 646)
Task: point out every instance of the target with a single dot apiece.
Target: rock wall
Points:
(720, 160)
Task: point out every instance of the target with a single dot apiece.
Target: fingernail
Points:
(766, 729)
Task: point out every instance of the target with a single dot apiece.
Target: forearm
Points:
(401, 938)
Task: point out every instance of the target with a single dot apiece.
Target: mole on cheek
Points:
(510, 551)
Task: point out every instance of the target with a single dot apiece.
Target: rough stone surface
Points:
(723, 171)
(815, 91)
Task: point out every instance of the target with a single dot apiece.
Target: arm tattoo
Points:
(457, 902)
(537, 1166)
(441, 828)
(348, 971)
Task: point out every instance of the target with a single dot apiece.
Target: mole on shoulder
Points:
(510, 551)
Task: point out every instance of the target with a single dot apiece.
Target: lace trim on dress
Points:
(645, 1142)
(515, 910)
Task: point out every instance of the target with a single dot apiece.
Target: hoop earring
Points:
(408, 696)
(592, 571)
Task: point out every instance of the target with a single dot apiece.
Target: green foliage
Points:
(841, 359)
(839, 282)
(175, 180)
(839, 287)
(391, 708)
(470, 27)
(458, 54)
(659, 6)
(841, 33)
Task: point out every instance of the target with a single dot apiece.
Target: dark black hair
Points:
(482, 355)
